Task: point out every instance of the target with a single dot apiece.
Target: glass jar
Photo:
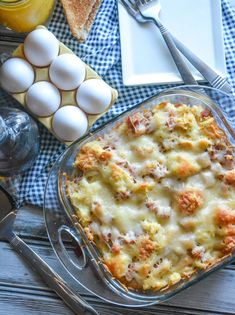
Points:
(25, 15)
(19, 141)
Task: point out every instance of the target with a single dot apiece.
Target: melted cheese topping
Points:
(156, 195)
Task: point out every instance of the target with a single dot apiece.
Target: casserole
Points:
(65, 168)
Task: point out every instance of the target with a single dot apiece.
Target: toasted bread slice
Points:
(80, 15)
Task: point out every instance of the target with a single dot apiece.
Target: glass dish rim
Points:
(81, 141)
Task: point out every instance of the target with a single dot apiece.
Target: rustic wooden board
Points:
(212, 295)
(28, 303)
(23, 292)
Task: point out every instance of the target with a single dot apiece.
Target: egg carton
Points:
(67, 97)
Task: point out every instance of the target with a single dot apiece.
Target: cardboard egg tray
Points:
(67, 97)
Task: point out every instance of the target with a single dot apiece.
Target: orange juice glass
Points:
(25, 15)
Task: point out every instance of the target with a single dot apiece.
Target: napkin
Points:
(102, 52)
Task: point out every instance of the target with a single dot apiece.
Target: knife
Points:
(53, 280)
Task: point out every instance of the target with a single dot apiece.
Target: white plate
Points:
(145, 57)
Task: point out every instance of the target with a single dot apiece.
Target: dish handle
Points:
(64, 255)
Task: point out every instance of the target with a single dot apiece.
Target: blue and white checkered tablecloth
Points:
(102, 52)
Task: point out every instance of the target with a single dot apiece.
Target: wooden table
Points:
(23, 293)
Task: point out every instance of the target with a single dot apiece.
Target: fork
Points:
(208, 73)
(177, 57)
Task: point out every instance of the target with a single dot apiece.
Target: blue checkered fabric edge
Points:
(102, 52)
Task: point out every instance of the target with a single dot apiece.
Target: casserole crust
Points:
(156, 195)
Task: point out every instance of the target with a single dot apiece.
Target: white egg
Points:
(43, 99)
(94, 96)
(69, 123)
(67, 72)
(16, 75)
(41, 47)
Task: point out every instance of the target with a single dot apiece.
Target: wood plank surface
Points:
(212, 295)
(23, 292)
(30, 303)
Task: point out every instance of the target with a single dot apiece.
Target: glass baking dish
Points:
(87, 268)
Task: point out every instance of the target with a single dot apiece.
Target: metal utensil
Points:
(216, 80)
(53, 280)
(179, 61)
